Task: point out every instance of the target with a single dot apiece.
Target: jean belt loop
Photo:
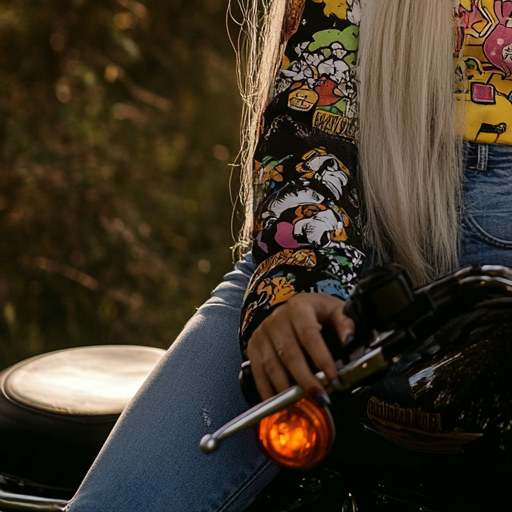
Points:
(483, 157)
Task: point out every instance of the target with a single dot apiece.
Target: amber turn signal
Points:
(299, 436)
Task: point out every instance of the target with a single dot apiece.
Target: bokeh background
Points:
(119, 120)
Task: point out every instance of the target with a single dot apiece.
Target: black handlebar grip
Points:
(248, 385)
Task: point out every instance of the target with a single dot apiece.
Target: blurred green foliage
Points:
(118, 122)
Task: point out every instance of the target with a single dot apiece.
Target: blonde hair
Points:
(259, 50)
(410, 154)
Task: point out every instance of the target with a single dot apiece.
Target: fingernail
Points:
(349, 339)
(319, 396)
(336, 384)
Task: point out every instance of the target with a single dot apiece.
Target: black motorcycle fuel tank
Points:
(436, 432)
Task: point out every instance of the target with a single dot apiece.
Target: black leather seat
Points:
(57, 409)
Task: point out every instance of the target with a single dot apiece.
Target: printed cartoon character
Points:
(342, 266)
(469, 71)
(330, 55)
(325, 168)
(498, 45)
(336, 97)
(333, 287)
(325, 89)
(304, 69)
(271, 291)
(347, 92)
(320, 226)
(291, 199)
(334, 67)
(495, 129)
(279, 207)
(474, 19)
(302, 97)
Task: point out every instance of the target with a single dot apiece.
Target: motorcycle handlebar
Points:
(411, 318)
(384, 300)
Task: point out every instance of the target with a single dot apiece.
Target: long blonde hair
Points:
(410, 153)
(259, 50)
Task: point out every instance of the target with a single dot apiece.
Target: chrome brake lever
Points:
(349, 376)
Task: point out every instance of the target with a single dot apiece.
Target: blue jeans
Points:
(487, 212)
(152, 461)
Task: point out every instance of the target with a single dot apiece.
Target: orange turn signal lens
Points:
(299, 436)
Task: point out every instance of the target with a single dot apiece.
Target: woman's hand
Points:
(278, 346)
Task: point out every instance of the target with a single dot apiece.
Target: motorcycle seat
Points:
(57, 409)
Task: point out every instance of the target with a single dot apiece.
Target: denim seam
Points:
(212, 303)
(483, 235)
(483, 157)
(245, 484)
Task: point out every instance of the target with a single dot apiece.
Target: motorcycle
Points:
(423, 413)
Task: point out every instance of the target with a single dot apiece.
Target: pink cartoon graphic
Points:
(470, 14)
(498, 45)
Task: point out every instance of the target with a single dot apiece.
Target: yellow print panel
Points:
(337, 7)
(276, 290)
(484, 68)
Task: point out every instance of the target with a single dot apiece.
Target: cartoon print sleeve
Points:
(307, 221)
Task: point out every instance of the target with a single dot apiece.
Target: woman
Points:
(350, 123)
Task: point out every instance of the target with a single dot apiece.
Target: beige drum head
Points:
(98, 380)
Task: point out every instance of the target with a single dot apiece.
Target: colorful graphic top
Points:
(307, 222)
(484, 68)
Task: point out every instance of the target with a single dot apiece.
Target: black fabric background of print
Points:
(287, 137)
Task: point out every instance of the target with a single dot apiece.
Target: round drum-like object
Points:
(57, 409)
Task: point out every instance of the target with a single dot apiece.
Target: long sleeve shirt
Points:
(307, 220)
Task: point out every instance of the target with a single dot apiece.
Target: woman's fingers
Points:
(275, 352)
(263, 383)
(344, 325)
(292, 356)
(309, 334)
(274, 368)
(269, 372)
(331, 310)
(277, 348)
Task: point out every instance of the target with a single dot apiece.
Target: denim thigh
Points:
(487, 209)
(152, 461)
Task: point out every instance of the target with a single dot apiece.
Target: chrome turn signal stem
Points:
(210, 442)
(349, 376)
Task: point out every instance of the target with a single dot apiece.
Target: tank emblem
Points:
(415, 429)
